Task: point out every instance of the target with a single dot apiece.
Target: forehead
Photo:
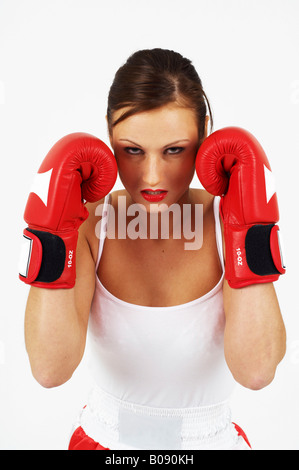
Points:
(168, 122)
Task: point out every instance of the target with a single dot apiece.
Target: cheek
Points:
(183, 172)
(128, 172)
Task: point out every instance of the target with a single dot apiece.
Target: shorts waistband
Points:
(120, 424)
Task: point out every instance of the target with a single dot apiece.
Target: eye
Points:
(174, 150)
(133, 150)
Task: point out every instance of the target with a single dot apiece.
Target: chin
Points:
(153, 207)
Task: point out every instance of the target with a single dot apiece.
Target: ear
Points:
(110, 136)
(207, 118)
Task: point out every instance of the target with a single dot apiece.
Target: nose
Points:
(152, 173)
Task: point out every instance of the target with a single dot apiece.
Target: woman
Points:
(169, 335)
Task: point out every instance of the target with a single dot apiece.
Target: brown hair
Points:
(151, 78)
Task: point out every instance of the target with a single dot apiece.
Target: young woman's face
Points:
(155, 153)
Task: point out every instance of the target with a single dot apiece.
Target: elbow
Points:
(52, 372)
(260, 375)
(49, 382)
(255, 380)
(48, 378)
(256, 373)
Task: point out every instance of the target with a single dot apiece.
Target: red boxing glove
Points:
(79, 168)
(231, 163)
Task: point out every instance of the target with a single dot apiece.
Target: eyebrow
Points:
(168, 145)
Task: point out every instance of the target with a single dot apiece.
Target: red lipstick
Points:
(154, 195)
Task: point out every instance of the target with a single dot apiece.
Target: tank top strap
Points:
(218, 230)
(103, 227)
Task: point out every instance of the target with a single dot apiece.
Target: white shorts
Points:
(108, 423)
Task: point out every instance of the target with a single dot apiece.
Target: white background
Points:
(57, 61)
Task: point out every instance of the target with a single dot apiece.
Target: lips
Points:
(154, 195)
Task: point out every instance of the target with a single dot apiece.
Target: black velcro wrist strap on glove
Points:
(260, 255)
(53, 256)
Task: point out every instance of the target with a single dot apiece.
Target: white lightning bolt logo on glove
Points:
(40, 185)
(270, 183)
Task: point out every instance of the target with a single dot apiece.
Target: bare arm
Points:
(255, 337)
(56, 322)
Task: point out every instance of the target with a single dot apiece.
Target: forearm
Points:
(54, 335)
(255, 337)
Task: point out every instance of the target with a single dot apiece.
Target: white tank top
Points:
(160, 356)
(159, 362)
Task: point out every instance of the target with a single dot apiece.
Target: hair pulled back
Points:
(151, 78)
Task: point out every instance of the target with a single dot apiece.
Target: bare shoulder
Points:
(94, 213)
(207, 199)
(201, 196)
(89, 229)
(116, 194)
